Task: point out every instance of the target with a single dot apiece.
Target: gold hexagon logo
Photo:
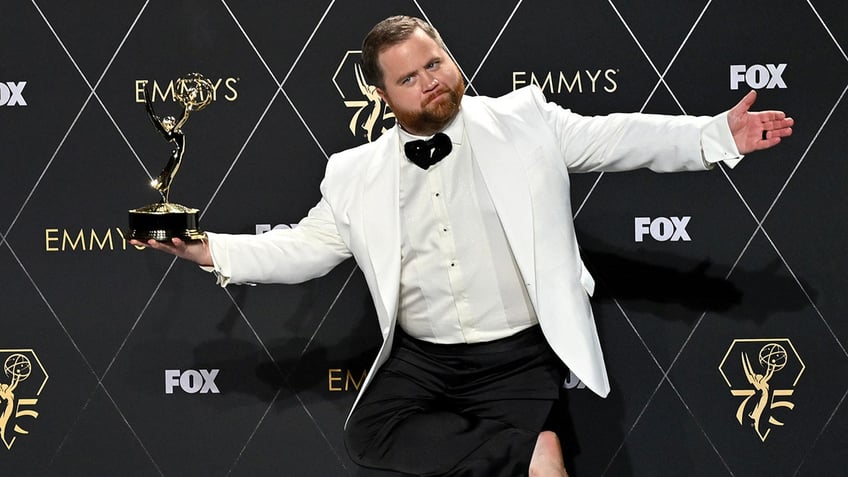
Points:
(763, 372)
(372, 116)
(21, 384)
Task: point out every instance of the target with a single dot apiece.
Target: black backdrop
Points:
(126, 362)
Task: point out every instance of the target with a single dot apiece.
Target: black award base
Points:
(164, 221)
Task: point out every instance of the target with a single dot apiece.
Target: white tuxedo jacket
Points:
(525, 149)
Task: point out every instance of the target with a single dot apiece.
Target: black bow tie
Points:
(426, 153)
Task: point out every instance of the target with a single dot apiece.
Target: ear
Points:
(381, 93)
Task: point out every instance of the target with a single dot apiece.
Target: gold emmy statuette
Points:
(165, 220)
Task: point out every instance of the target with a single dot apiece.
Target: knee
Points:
(357, 442)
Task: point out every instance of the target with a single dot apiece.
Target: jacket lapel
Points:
(506, 181)
(381, 218)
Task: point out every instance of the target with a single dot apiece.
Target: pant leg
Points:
(507, 451)
(436, 410)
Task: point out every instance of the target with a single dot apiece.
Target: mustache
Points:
(435, 94)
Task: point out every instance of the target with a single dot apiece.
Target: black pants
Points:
(457, 410)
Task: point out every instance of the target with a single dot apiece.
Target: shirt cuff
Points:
(717, 143)
(220, 260)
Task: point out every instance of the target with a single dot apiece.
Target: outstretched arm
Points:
(309, 250)
(757, 130)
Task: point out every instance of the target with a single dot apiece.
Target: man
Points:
(472, 261)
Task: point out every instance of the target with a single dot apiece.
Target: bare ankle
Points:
(547, 458)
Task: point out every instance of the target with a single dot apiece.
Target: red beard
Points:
(437, 110)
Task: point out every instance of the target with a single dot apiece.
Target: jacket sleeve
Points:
(626, 141)
(309, 250)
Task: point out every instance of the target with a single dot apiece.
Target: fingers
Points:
(745, 104)
(767, 128)
(137, 243)
(767, 143)
(196, 251)
(781, 123)
(778, 127)
(175, 247)
(769, 120)
(750, 98)
(772, 119)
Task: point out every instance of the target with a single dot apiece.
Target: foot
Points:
(547, 457)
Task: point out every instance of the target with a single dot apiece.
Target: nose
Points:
(430, 82)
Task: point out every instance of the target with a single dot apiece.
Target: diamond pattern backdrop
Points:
(265, 375)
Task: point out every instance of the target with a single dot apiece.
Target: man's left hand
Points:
(753, 130)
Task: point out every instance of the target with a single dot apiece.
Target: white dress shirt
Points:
(459, 282)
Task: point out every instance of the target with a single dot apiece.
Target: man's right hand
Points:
(196, 251)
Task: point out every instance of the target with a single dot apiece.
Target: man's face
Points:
(423, 86)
